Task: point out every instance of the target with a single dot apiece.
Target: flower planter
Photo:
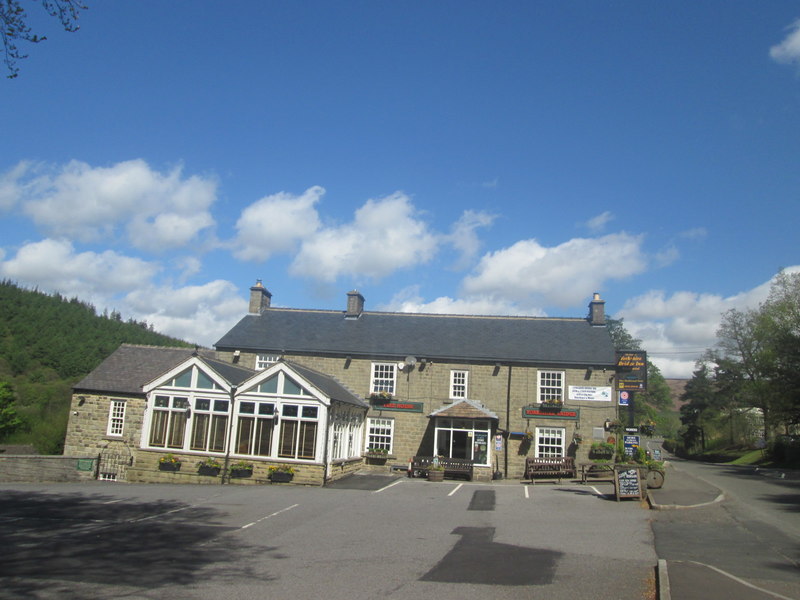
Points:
(169, 466)
(550, 407)
(281, 477)
(435, 475)
(208, 471)
(376, 456)
(241, 473)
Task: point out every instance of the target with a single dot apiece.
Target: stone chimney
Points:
(260, 298)
(597, 311)
(355, 305)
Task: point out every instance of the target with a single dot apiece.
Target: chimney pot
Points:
(597, 311)
(260, 298)
(355, 305)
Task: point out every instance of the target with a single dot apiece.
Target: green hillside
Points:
(47, 343)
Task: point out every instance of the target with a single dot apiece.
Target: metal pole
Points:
(225, 471)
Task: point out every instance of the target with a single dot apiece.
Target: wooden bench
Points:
(453, 467)
(552, 467)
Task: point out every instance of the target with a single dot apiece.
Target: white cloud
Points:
(199, 313)
(788, 51)
(677, 329)
(11, 190)
(385, 235)
(409, 300)
(158, 211)
(54, 265)
(598, 223)
(464, 237)
(276, 223)
(564, 275)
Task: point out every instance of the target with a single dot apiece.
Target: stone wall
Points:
(46, 469)
(488, 384)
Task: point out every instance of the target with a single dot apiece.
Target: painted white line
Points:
(270, 516)
(386, 487)
(169, 512)
(455, 489)
(113, 501)
(596, 491)
(742, 581)
(527, 494)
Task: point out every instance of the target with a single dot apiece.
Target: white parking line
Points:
(527, 495)
(455, 489)
(270, 516)
(386, 487)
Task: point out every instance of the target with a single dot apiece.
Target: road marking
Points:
(742, 581)
(596, 491)
(270, 516)
(386, 487)
(455, 489)
(114, 501)
(527, 495)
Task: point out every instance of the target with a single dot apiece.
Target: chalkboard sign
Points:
(628, 484)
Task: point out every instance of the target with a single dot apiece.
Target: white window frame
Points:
(380, 434)
(547, 390)
(264, 361)
(550, 442)
(459, 381)
(384, 378)
(116, 418)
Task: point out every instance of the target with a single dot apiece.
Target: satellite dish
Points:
(410, 361)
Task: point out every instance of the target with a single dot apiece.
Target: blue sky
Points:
(458, 157)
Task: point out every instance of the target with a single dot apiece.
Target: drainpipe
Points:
(225, 471)
(508, 423)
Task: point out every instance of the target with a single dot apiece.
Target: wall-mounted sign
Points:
(630, 444)
(632, 370)
(590, 392)
(533, 411)
(624, 398)
(399, 406)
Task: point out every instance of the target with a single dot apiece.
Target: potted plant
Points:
(240, 469)
(281, 473)
(436, 473)
(169, 462)
(647, 428)
(601, 450)
(210, 467)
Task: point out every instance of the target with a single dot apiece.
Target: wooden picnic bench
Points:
(453, 467)
(551, 467)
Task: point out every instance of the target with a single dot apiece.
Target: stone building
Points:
(390, 386)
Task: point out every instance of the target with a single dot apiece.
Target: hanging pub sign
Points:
(632, 370)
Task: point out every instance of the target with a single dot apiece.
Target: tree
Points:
(9, 420)
(14, 26)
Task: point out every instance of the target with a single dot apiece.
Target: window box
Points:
(241, 469)
(381, 397)
(551, 405)
(281, 477)
(208, 470)
(281, 474)
(169, 462)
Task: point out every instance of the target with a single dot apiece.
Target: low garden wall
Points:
(25, 468)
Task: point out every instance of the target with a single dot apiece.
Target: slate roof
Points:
(131, 367)
(397, 335)
(464, 409)
(328, 385)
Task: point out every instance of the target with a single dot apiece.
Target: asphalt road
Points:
(753, 536)
(385, 538)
